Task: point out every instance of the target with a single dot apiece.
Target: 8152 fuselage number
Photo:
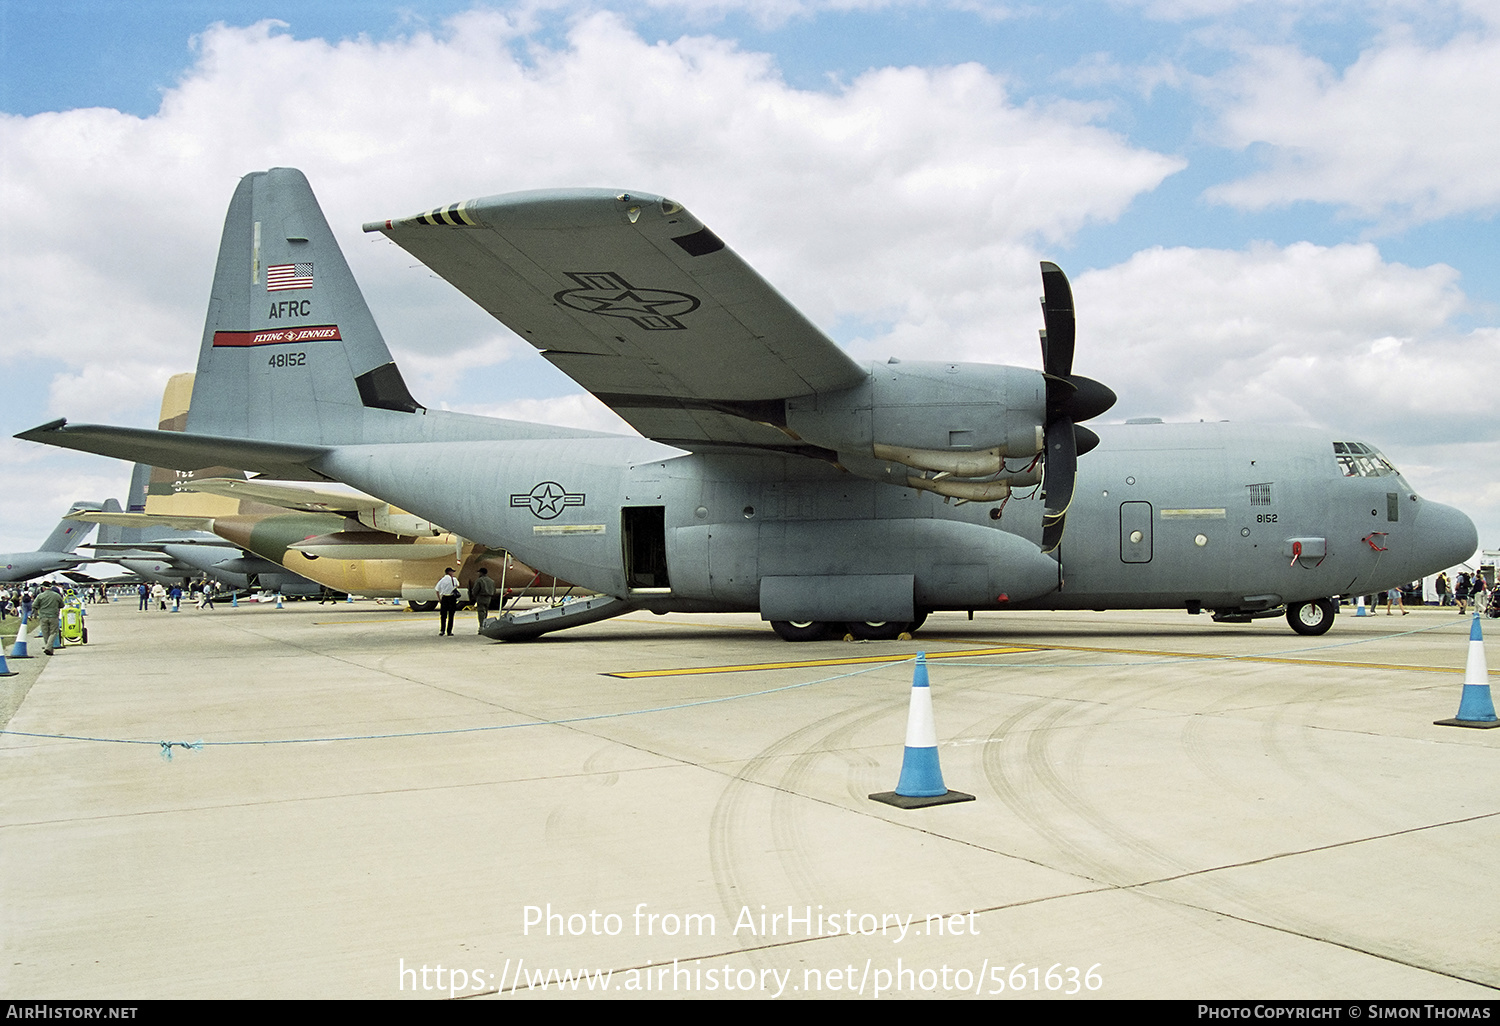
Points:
(287, 360)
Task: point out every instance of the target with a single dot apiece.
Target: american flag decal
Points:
(281, 277)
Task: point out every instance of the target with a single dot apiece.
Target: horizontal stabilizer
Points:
(114, 549)
(183, 451)
(305, 498)
(145, 520)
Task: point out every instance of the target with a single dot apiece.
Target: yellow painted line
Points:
(801, 664)
(388, 618)
(1248, 658)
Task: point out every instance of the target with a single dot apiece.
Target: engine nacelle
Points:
(934, 407)
(955, 423)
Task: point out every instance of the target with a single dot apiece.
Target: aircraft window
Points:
(1357, 459)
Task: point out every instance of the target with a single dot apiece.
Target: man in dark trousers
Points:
(447, 590)
(47, 606)
(483, 594)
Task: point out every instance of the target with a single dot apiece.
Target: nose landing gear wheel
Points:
(1311, 618)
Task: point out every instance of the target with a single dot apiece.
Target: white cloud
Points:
(580, 410)
(1401, 135)
(1302, 334)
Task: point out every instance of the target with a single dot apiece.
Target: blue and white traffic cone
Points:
(1359, 607)
(18, 650)
(234, 601)
(1475, 708)
(921, 782)
(5, 671)
(278, 600)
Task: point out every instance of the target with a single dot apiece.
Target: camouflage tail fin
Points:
(163, 491)
(290, 351)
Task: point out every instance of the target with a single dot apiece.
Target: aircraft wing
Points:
(636, 300)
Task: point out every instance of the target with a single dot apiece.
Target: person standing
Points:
(483, 593)
(48, 609)
(1442, 589)
(1461, 592)
(447, 590)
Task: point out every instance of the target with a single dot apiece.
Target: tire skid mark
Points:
(789, 811)
(1056, 819)
(730, 828)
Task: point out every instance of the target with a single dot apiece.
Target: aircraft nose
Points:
(1446, 537)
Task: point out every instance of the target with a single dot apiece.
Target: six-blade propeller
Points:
(1070, 398)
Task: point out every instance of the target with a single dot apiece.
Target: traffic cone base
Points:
(1476, 724)
(902, 801)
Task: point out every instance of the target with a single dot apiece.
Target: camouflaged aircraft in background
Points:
(775, 474)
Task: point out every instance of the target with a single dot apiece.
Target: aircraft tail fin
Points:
(290, 351)
(69, 534)
(111, 533)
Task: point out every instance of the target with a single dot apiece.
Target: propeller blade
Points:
(1060, 474)
(1057, 314)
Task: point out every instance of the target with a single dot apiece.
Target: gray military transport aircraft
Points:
(58, 552)
(775, 474)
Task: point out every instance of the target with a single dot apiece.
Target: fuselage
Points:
(1215, 516)
(23, 566)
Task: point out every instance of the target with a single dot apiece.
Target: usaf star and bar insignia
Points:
(609, 295)
(547, 499)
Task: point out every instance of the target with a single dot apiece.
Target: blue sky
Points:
(1273, 211)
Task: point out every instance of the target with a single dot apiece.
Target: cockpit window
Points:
(1356, 459)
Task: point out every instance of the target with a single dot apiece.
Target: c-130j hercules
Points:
(775, 474)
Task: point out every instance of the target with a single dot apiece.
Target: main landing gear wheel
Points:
(881, 630)
(421, 607)
(800, 630)
(1311, 617)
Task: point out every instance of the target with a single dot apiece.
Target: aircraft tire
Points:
(882, 630)
(916, 624)
(1311, 618)
(421, 607)
(792, 630)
